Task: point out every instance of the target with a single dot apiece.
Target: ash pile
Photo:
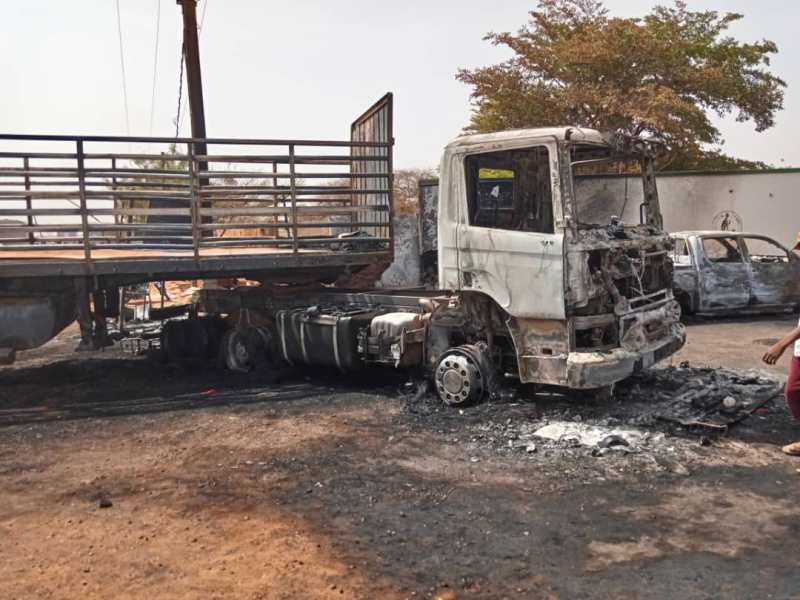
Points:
(662, 416)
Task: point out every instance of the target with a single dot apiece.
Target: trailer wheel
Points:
(462, 375)
(244, 349)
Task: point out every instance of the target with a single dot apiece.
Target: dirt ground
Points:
(123, 478)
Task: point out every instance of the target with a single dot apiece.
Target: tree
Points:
(406, 188)
(660, 75)
(167, 161)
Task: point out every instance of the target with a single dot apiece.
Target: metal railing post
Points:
(28, 201)
(390, 195)
(194, 191)
(118, 204)
(275, 199)
(87, 247)
(293, 190)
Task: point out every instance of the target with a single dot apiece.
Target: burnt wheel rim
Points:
(458, 379)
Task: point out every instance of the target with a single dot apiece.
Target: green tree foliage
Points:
(166, 162)
(662, 75)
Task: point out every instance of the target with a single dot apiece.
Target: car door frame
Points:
(686, 278)
(784, 290)
(720, 287)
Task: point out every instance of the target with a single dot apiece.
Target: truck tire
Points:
(463, 375)
(245, 349)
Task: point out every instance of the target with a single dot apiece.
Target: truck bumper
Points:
(586, 370)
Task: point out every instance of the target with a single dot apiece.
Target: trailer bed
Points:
(188, 207)
(155, 265)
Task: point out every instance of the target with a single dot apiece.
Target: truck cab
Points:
(563, 297)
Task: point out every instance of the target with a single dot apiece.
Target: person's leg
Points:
(793, 388)
(793, 400)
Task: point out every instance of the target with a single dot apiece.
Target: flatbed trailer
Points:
(81, 216)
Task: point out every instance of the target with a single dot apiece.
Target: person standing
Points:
(772, 355)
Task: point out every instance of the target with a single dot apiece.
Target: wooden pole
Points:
(194, 84)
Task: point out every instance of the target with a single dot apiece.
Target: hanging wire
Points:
(180, 94)
(155, 67)
(182, 115)
(122, 65)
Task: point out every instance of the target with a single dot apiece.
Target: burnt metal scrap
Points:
(705, 397)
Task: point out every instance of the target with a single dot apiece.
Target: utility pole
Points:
(194, 83)
(191, 56)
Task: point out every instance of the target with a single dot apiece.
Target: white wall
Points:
(767, 201)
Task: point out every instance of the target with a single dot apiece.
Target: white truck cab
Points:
(575, 303)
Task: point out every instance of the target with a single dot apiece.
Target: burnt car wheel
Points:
(685, 301)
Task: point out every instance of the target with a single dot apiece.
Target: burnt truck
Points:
(526, 286)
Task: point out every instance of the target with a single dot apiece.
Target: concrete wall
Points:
(765, 202)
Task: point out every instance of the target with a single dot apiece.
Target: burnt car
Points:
(723, 272)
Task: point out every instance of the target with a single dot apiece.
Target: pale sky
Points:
(306, 68)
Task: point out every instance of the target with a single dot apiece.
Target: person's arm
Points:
(772, 355)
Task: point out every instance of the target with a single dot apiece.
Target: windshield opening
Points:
(608, 187)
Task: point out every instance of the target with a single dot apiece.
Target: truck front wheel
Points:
(462, 375)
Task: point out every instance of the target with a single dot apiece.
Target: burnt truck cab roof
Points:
(572, 150)
(529, 136)
(618, 144)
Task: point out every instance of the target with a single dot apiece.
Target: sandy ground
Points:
(227, 487)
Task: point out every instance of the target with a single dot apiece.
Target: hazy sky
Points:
(305, 68)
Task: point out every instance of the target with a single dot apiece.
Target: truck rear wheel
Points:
(245, 349)
(462, 376)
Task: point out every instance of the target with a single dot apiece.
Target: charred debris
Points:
(664, 413)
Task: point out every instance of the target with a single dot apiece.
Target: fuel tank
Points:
(28, 320)
(322, 337)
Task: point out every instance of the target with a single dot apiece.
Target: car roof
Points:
(717, 233)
